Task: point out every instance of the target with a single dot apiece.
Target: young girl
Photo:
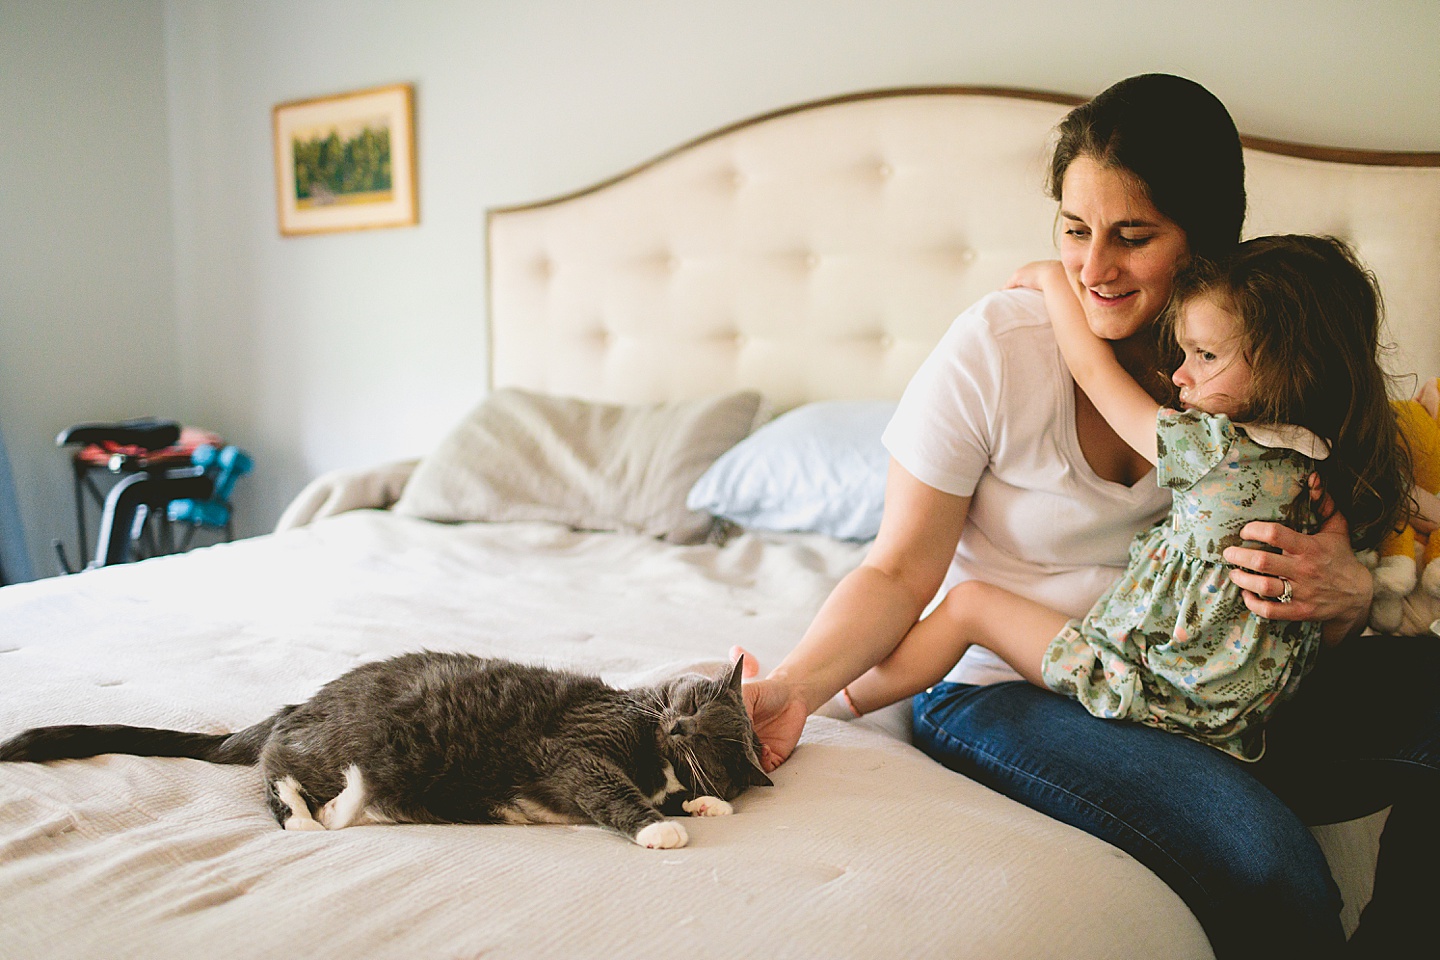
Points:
(1277, 379)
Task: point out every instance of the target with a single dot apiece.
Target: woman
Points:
(1001, 470)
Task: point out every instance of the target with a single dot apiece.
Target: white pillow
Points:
(818, 469)
(593, 466)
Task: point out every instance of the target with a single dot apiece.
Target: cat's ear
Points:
(735, 672)
(757, 772)
(757, 775)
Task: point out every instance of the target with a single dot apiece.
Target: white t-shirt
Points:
(990, 415)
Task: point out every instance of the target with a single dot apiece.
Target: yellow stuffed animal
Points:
(1411, 556)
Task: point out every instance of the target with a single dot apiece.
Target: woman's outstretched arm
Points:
(866, 615)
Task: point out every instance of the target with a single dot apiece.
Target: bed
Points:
(644, 331)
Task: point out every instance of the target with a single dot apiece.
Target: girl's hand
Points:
(777, 711)
(1327, 582)
(1034, 276)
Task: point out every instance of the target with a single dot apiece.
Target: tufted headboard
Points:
(818, 252)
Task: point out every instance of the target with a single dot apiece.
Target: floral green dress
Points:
(1172, 643)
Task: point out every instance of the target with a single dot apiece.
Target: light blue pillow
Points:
(819, 468)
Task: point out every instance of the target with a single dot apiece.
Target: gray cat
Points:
(452, 738)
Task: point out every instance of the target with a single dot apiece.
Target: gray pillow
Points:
(592, 466)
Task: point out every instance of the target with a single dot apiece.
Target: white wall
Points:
(323, 351)
(87, 316)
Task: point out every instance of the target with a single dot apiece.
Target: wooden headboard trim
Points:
(1308, 151)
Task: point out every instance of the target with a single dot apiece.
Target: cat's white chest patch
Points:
(672, 785)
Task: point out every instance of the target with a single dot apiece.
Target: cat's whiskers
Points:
(702, 779)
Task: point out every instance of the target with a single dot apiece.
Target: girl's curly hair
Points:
(1310, 316)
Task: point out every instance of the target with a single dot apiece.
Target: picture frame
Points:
(346, 161)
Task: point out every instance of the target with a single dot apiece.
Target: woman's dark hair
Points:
(1179, 143)
(1309, 316)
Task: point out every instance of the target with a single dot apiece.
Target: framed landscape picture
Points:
(346, 162)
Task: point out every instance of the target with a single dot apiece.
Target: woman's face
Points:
(1119, 251)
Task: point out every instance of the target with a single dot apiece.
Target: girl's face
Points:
(1215, 376)
(1118, 250)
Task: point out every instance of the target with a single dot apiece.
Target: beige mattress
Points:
(864, 848)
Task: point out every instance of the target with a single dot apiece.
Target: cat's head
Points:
(706, 735)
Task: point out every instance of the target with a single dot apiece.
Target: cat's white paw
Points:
(346, 809)
(664, 835)
(707, 807)
(288, 790)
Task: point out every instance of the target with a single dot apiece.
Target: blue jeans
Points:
(1230, 838)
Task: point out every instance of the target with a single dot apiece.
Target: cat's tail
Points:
(74, 741)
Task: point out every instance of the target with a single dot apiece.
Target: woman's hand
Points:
(864, 618)
(1327, 582)
(1034, 276)
(777, 711)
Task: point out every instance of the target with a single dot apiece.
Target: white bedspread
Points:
(864, 848)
